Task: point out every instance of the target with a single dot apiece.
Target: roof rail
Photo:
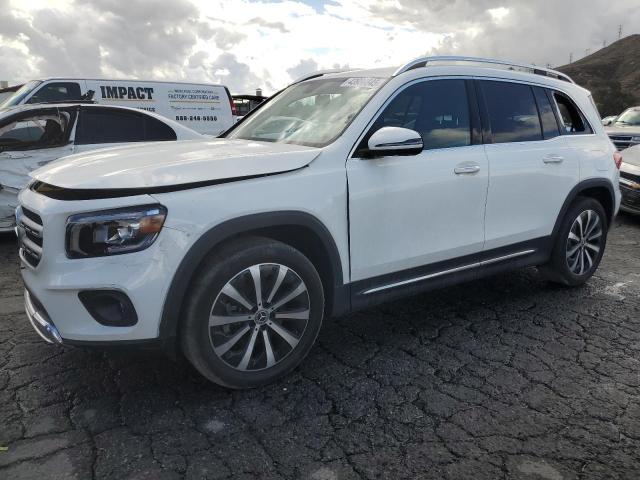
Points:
(58, 102)
(320, 73)
(423, 61)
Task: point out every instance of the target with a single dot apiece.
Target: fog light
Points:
(111, 308)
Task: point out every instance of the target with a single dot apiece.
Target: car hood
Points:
(620, 130)
(631, 156)
(167, 164)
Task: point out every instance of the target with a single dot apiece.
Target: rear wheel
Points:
(254, 313)
(580, 243)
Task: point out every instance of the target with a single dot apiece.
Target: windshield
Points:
(312, 113)
(20, 94)
(629, 117)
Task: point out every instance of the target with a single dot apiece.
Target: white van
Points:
(205, 108)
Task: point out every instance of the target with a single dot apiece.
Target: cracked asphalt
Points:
(509, 377)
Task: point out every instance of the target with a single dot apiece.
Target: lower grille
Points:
(30, 235)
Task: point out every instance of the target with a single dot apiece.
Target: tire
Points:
(578, 249)
(280, 326)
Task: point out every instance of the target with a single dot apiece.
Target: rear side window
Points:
(97, 125)
(573, 122)
(437, 109)
(547, 117)
(512, 112)
(56, 92)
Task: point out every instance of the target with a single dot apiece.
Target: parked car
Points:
(625, 130)
(630, 180)
(205, 108)
(378, 184)
(34, 135)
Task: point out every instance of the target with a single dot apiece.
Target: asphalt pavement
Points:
(508, 377)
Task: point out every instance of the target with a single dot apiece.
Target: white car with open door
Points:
(32, 136)
(342, 191)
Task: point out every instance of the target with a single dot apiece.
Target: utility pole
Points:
(619, 31)
(587, 52)
(571, 57)
(604, 43)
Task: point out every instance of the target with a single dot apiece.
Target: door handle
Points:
(552, 158)
(466, 169)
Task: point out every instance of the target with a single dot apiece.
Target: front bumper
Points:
(54, 283)
(630, 191)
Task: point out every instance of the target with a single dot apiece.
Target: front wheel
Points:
(253, 314)
(580, 243)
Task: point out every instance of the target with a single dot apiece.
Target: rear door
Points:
(532, 167)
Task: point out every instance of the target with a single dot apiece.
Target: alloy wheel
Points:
(584, 242)
(259, 316)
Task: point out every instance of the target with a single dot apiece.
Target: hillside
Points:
(612, 74)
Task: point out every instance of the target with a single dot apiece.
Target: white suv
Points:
(345, 190)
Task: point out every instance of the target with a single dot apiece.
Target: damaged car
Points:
(32, 136)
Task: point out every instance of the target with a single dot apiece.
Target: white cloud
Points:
(248, 44)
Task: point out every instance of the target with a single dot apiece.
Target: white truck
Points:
(205, 108)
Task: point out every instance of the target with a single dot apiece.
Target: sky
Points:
(246, 44)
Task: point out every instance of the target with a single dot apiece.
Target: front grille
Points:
(31, 237)
(630, 196)
(621, 141)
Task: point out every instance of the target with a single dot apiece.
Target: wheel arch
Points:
(600, 189)
(298, 229)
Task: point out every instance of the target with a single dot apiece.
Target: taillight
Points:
(617, 159)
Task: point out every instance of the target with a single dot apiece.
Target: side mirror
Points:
(395, 141)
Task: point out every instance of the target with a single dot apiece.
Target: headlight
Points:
(635, 139)
(113, 232)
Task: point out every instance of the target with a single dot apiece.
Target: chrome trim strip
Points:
(446, 272)
(30, 225)
(506, 257)
(34, 316)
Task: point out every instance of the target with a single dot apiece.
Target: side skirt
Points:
(373, 291)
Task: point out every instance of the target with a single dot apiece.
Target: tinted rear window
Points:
(512, 112)
(97, 125)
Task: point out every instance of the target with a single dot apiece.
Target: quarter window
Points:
(573, 121)
(547, 117)
(101, 125)
(438, 110)
(512, 112)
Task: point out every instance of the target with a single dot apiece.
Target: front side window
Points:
(110, 125)
(438, 110)
(512, 110)
(313, 113)
(573, 121)
(56, 92)
(629, 118)
(42, 130)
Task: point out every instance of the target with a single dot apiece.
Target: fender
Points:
(575, 191)
(246, 224)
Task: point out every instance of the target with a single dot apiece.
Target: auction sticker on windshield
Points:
(363, 82)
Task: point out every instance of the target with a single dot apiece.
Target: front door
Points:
(412, 211)
(28, 141)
